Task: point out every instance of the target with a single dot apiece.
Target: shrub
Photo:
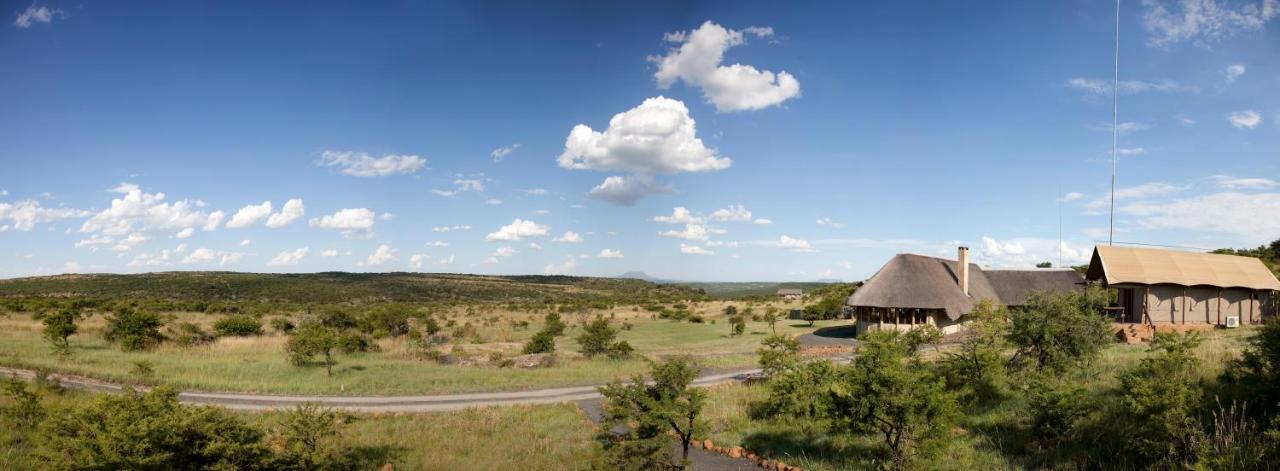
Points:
(311, 340)
(388, 319)
(1057, 406)
(1057, 331)
(804, 390)
(542, 342)
(553, 324)
(355, 342)
(620, 351)
(187, 334)
(596, 337)
(976, 367)
(24, 407)
(237, 326)
(1160, 397)
(778, 354)
(648, 411)
(281, 324)
(143, 369)
(134, 330)
(310, 436)
(148, 431)
(58, 326)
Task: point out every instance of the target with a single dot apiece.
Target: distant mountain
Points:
(639, 275)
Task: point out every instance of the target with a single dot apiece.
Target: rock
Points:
(766, 464)
(706, 444)
(388, 467)
(752, 457)
(532, 360)
(735, 452)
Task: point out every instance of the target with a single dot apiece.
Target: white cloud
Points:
(698, 62)
(244, 243)
(1234, 183)
(1228, 212)
(289, 258)
(292, 211)
(569, 237)
(1129, 87)
(694, 250)
(1071, 196)
(361, 164)
(445, 193)
(128, 243)
(205, 256)
(151, 259)
(94, 241)
(138, 211)
(1203, 21)
(185, 233)
(1026, 252)
(694, 232)
(826, 221)
(437, 243)
(1131, 151)
(1233, 72)
(610, 253)
(25, 215)
(762, 221)
(535, 246)
(460, 227)
(518, 229)
(383, 254)
(353, 222)
(493, 202)
(679, 215)
(446, 260)
(795, 245)
(181, 248)
(386, 216)
(34, 14)
(505, 252)
(249, 215)
(417, 260)
(734, 213)
(658, 137)
(561, 269)
(1145, 190)
(502, 152)
(1246, 119)
(469, 184)
(542, 212)
(536, 191)
(329, 253)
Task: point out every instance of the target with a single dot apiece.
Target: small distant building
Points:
(1161, 287)
(790, 294)
(914, 290)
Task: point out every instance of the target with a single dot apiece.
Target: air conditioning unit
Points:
(1233, 322)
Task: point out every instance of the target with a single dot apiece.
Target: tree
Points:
(976, 366)
(148, 431)
(542, 342)
(811, 316)
(1255, 377)
(778, 354)
(771, 316)
(553, 324)
(1060, 330)
(731, 311)
(650, 411)
(58, 326)
(596, 337)
(311, 340)
(1044, 265)
(1161, 395)
(803, 390)
(135, 330)
(890, 391)
(737, 325)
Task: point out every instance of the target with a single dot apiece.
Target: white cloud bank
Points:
(289, 258)
(1203, 22)
(353, 222)
(517, 230)
(361, 164)
(25, 215)
(697, 61)
(37, 14)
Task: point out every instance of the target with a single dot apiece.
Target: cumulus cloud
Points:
(1203, 22)
(437, 243)
(206, 256)
(1233, 72)
(292, 211)
(460, 227)
(1246, 119)
(610, 253)
(517, 230)
(1071, 196)
(25, 215)
(462, 185)
(95, 241)
(1228, 212)
(1145, 190)
(138, 211)
(361, 164)
(37, 14)
(762, 221)
(493, 202)
(383, 254)
(569, 237)
(244, 243)
(329, 253)
(353, 222)
(160, 258)
(656, 138)
(446, 260)
(289, 258)
(826, 221)
(249, 215)
(697, 61)
(1026, 252)
(417, 260)
(794, 244)
(693, 232)
(501, 252)
(561, 269)
(694, 250)
(185, 233)
(679, 215)
(734, 213)
(502, 152)
(128, 243)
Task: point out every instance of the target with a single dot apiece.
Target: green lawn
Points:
(258, 364)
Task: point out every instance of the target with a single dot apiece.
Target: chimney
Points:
(963, 263)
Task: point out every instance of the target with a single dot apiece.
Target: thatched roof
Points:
(1145, 266)
(912, 281)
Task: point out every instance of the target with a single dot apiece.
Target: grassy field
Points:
(543, 437)
(993, 437)
(258, 364)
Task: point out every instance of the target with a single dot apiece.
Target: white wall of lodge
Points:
(903, 320)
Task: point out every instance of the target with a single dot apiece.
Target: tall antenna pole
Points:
(1115, 128)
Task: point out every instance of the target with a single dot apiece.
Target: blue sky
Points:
(688, 140)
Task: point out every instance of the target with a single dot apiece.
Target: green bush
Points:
(187, 334)
(356, 342)
(134, 330)
(1161, 396)
(281, 324)
(1057, 331)
(237, 326)
(596, 337)
(58, 326)
(542, 342)
(620, 351)
(553, 324)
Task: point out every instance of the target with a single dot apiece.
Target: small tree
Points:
(311, 340)
(651, 411)
(542, 342)
(596, 337)
(238, 326)
(1060, 330)
(553, 324)
(976, 367)
(811, 316)
(135, 330)
(730, 310)
(778, 354)
(1056, 405)
(24, 407)
(737, 326)
(309, 435)
(58, 326)
(890, 391)
(771, 316)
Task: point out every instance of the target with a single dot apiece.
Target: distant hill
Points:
(742, 289)
(330, 287)
(639, 275)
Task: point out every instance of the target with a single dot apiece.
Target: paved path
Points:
(416, 403)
